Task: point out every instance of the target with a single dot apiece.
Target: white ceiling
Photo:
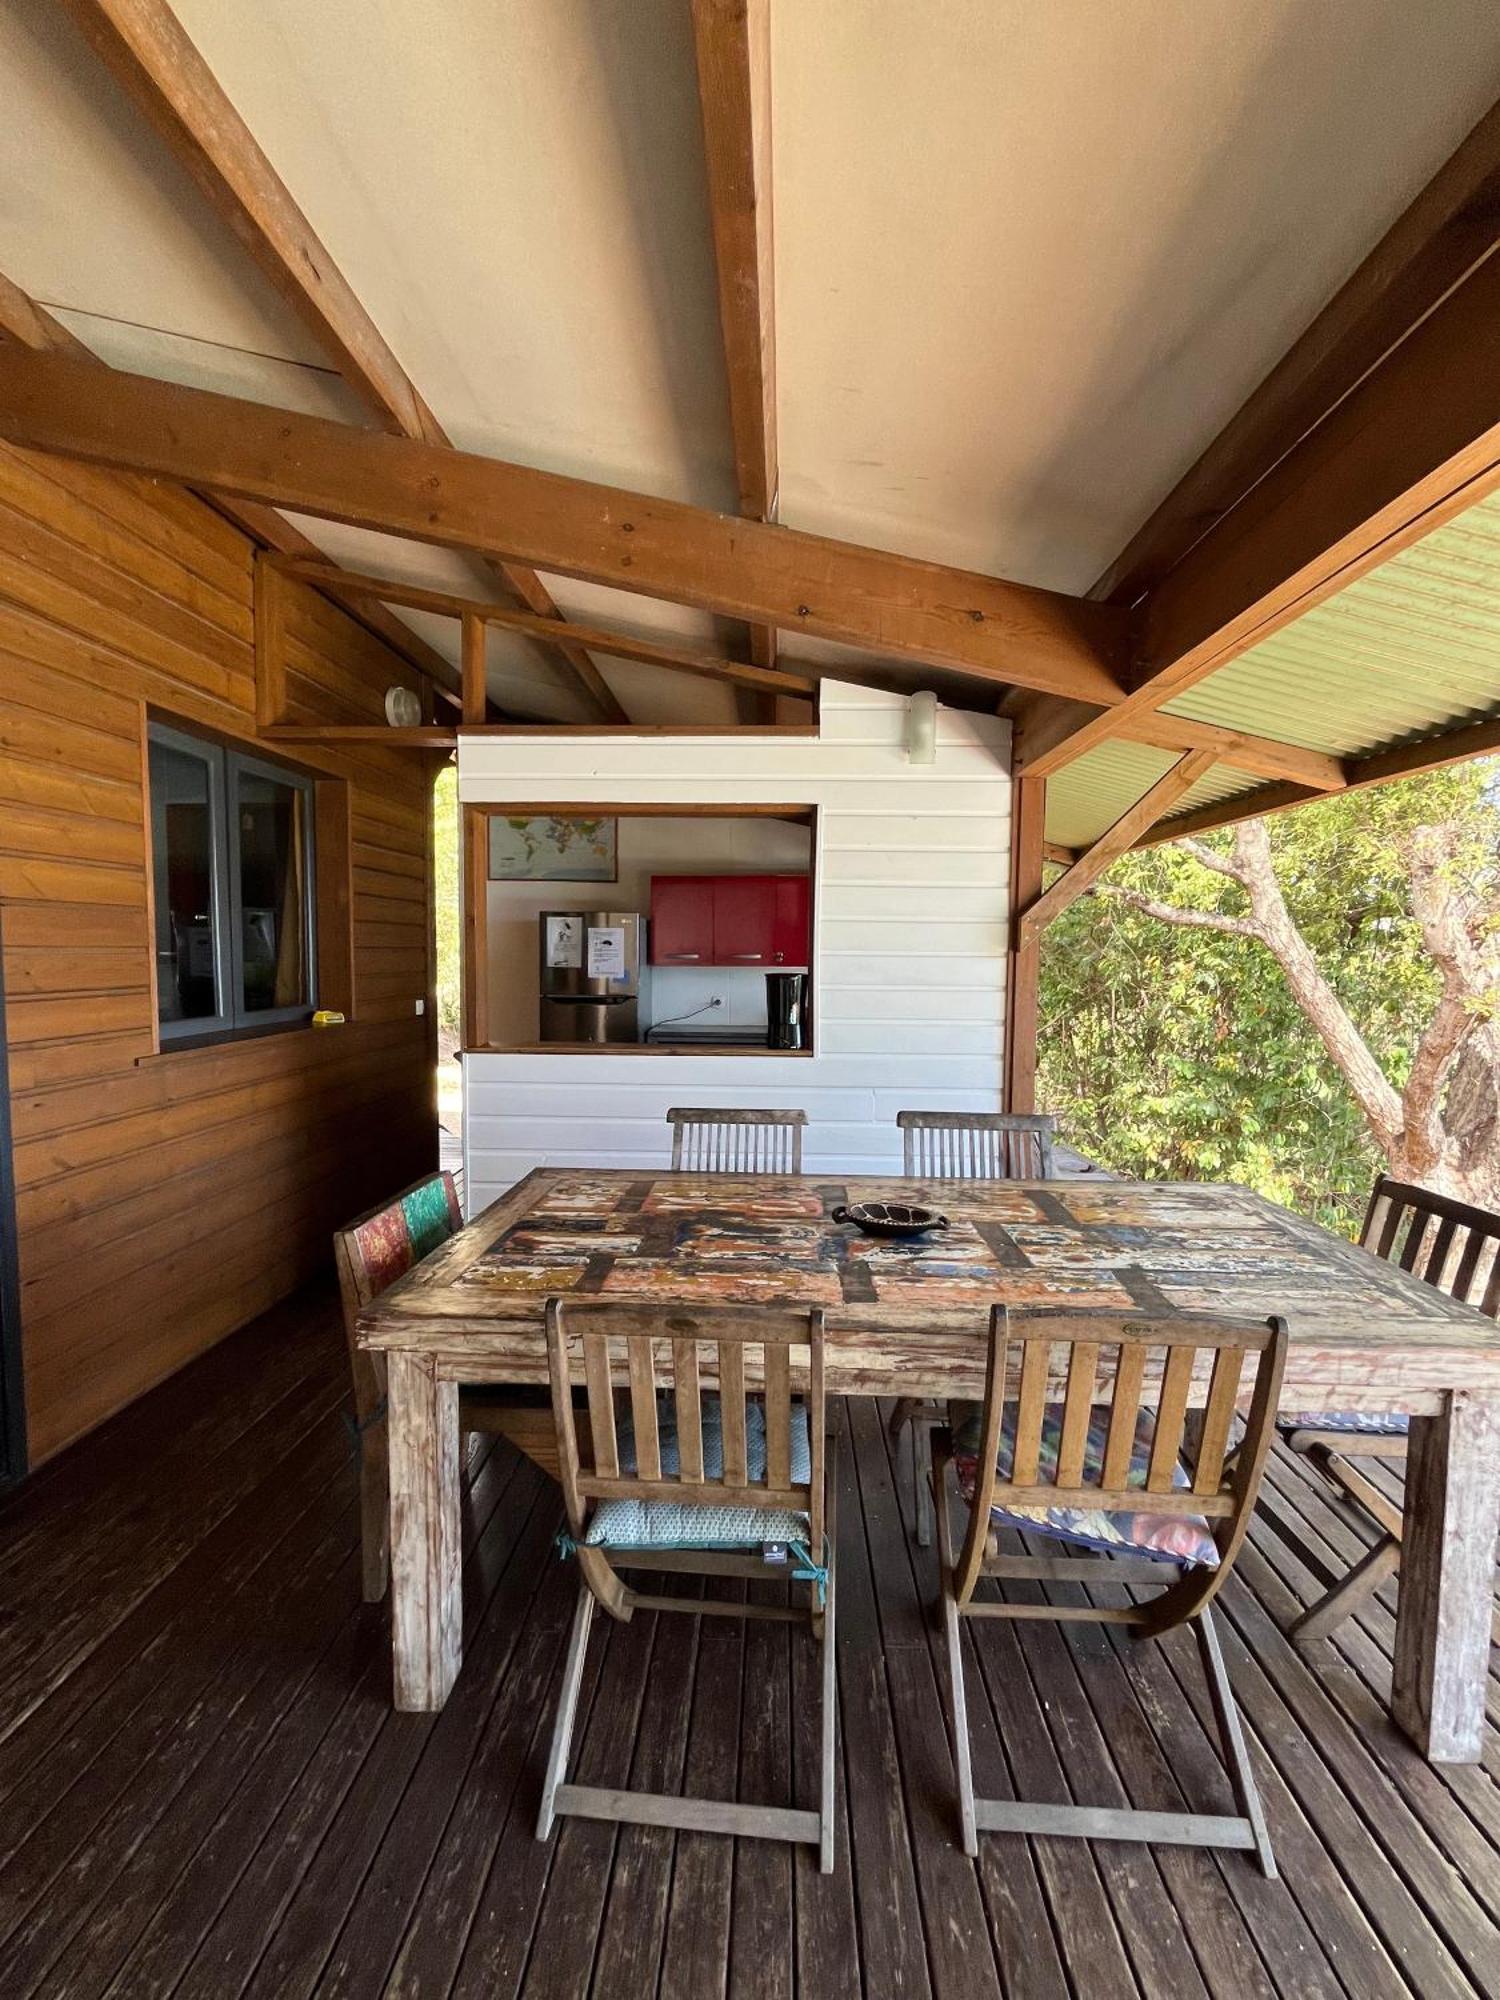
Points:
(1030, 257)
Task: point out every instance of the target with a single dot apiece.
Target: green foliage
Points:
(448, 895)
(1180, 1054)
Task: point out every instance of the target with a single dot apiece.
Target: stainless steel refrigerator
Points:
(594, 979)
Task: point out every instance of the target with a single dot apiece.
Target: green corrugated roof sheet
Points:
(1408, 651)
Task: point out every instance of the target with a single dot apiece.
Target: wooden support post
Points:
(1127, 829)
(1024, 957)
(270, 644)
(1452, 1516)
(476, 862)
(476, 690)
(426, 1597)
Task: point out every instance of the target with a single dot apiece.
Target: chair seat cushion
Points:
(1179, 1538)
(672, 1524)
(1354, 1423)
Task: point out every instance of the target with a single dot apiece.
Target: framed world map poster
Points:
(552, 848)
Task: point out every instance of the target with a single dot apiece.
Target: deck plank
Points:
(204, 1790)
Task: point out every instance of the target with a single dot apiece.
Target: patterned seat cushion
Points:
(1179, 1538)
(1356, 1423)
(660, 1524)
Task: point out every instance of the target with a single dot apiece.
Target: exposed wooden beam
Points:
(1382, 422)
(147, 50)
(1091, 864)
(1008, 633)
(683, 659)
(1380, 767)
(473, 637)
(27, 324)
(732, 39)
(1028, 852)
(418, 736)
(1041, 722)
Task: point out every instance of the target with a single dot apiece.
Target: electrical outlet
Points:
(716, 1001)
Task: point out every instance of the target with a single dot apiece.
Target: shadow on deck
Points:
(203, 1788)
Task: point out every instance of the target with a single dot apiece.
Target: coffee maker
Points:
(786, 1010)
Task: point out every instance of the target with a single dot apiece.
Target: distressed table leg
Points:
(1451, 1517)
(426, 1599)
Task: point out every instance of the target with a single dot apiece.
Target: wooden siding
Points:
(164, 1199)
(911, 887)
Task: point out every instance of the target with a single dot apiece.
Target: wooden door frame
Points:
(13, 1458)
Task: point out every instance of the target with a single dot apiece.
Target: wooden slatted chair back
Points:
(1146, 1372)
(977, 1145)
(706, 1140)
(1447, 1243)
(634, 1348)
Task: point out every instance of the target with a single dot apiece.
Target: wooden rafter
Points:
(29, 325)
(147, 50)
(1039, 721)
(620, 645)
(1127, 829)
(732, 39)
(1008, 633)
(1379, 424)
(1380, 767)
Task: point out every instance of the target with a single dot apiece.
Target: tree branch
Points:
(1467, 997)
(1172, 913)
(1206, 857)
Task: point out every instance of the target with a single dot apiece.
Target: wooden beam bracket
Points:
(1090, 865)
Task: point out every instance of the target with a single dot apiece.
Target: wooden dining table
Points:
(909, 1318)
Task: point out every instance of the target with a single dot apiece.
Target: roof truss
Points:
(146, 49)
(29, 325)
(1002, 632)
(732, 40)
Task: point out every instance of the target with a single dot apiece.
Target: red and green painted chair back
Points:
(376, 1249)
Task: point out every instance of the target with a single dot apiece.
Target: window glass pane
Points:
(273, 893)
(183, 850)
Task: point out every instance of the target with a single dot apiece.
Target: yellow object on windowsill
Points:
(326, 1017)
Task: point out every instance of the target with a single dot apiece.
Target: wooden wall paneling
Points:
(12, 1385)
(333, 861)
(164, 1198)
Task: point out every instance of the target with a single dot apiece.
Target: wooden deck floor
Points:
(203, 1789)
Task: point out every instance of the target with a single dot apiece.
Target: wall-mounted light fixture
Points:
(403, 708)
(921, 727)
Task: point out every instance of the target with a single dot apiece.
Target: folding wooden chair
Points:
(1455, 1247)
(372, 1252)
(702, 1482)
(710, 1141)
(967, 1146)
(1073, 1451)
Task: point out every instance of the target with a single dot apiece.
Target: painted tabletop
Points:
(911, 1316)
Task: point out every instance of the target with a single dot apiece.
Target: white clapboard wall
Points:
(912, 867)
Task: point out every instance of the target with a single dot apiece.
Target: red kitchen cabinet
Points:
(730, 920)
(682, 920)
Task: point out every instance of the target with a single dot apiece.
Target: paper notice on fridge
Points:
(565, 941)
(606, 958)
